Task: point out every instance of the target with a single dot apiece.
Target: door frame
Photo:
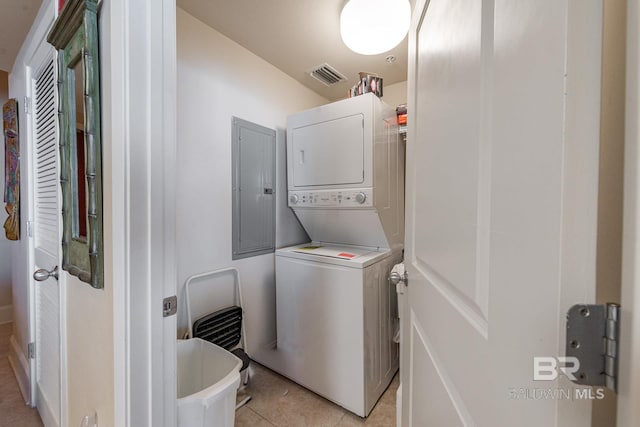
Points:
(629, 368)
(139, 125)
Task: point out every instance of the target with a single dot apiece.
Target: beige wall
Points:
(90, 351)
(90, 348)
(609, 249)
(395, 94)
(611, 153)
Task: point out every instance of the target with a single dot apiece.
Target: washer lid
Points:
(349, 256)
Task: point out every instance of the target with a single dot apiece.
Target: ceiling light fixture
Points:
(370, 27)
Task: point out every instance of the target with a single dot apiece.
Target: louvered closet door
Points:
(46, 241)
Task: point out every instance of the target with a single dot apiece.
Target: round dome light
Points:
(370, 27)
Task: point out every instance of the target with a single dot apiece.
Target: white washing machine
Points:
(336, 318)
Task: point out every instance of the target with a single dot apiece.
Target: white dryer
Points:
(336, 317)
(345, 172)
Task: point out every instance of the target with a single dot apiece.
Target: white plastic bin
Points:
(208, 378)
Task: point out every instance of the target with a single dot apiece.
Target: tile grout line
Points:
(261, 416)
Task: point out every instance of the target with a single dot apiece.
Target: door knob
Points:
(42, 274)
(395, 278)
(398, 275)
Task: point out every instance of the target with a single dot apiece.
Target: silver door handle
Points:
(395, 278)
(42, 274)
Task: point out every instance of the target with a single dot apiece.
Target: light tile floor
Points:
(277, 401)
(13, 411)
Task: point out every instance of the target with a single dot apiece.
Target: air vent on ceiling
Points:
(327, 74)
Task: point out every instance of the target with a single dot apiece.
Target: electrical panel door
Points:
(254, 203)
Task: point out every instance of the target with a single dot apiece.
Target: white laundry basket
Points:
(208, 377)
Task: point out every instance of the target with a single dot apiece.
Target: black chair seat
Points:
(240, 354)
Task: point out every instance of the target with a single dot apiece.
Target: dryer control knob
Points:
(361, 197)
(293, 199)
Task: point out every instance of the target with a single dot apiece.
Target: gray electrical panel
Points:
(254, 199)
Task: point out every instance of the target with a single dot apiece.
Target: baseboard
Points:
(44, 409)
(6, 314)
(399, 406)
(20, 366)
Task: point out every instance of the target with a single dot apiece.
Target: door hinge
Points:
(169, 306)
(29, 228)
(31, 350)
(27, 105)
(593, 333)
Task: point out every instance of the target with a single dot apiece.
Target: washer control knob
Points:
(293, 199)
(361, 197)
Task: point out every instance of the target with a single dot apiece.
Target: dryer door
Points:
(329, 153)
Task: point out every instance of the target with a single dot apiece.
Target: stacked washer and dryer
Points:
(336, 312)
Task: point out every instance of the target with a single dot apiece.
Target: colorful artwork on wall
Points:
(11, 169)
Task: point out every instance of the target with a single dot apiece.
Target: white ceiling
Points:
(293, 35)
(16, 17)
(296, 36)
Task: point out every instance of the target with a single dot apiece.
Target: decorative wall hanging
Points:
(11, 169)
(75, 35)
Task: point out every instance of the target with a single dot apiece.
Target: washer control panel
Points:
(358, 198)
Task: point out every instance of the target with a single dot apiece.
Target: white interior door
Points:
(46, 240)
(502, 163)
